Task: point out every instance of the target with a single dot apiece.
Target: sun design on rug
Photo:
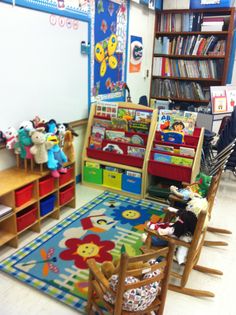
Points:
(132, 215)
(80, 250)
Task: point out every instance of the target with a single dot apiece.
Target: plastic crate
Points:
(93, 175)
(132, 184)
(112, 179)
(66, 194)
(26, 217)
(196, 4)
(23, 195)
(47, 204)
(46, 185)
(65, 178)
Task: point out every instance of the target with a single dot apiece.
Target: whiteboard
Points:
(42, 71)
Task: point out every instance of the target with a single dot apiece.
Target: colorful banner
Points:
(136, 53)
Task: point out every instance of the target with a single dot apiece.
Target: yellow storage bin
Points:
(112, 179)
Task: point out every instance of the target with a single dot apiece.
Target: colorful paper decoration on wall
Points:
(136, 53)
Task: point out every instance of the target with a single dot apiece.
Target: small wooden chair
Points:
(99, 285)
(193, 255)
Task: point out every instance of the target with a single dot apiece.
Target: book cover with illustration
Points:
(136, 126)
(164, 148)
(95, 142)
(143, 116)
(105, 123)
(136, 151)
(115, 135)
(119, 123)
(126, 113)
(162, 157)
(106, 109)
(98, 132)
(181, 161)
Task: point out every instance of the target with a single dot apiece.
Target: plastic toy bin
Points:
(93, 175)
(26, 217)
(47, 204)
(23, 195)
(131, 184)
(66, 194)
(112, 179)
(46, 185)
(64, 178)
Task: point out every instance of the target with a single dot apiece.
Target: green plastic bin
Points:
(93, 175)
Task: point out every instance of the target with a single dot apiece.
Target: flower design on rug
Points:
(131, 214)
(91, 246)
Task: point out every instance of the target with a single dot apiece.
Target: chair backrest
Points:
(162, 276)
(211, 194)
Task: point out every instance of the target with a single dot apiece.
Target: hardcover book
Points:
(162, 157)
(106, 109)
(136, 151)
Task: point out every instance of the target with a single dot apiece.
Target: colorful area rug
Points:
(55, 262)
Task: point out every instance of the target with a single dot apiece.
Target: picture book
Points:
(189, 122)
(172, 136)
(143, 116)
(231, 97)
(115, 135)
(106, 109)
(219, 104)
(98, 132)
(133, 174)
(164, 148)
(119, 123)
(105, 123)
(135, 126)
(92, 164)
(110, 147)
(181, 161)
(162, 157)
(126, 113)
(136, 139)
(95, 142)
(187, 151)
(136, 151)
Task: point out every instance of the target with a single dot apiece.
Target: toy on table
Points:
(183, 226)
(56, 157)
(40, 145)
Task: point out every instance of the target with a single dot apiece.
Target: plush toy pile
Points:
(137, 299)
(44, 141)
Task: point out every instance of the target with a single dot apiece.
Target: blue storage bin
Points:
(47, 204)
(132, 184)
(196, 4)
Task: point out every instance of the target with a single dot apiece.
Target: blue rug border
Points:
(6, 265)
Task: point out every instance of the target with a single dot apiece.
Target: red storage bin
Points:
(23, 195)
(170, 171)
(115, 158)
(66, 194)
(26, 217)
(46, 185)
(64, 178)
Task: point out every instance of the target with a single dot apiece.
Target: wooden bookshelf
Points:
(217, 64)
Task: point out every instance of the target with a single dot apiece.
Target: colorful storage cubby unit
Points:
(163, 164)
(26, 217)
(131, 184)
(66, 194)
(46, 185)
(23, 195)
(47, 205)
(112, 179)
(93, 175)
(68, 176)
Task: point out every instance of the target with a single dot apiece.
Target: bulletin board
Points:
(43, 71)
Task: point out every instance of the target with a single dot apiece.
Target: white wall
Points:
(141, 23)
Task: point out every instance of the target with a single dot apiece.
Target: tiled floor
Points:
(19, 299)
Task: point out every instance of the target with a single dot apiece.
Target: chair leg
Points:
(192, 292)
(215, 243)
(208, 270)
(218, 230)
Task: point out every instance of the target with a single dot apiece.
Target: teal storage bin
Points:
(93, 175)
(196, 4)
(132, 184)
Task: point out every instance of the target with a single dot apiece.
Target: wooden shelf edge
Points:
(25, 205)
(180, 99)
(125, 167)
(49, 213)
(7, 216)
(48, 194)
(28, 227)
(190, 56)
(67, 183)
(5, 237)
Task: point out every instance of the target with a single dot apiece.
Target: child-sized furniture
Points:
(99, 285)
(33, 196)
(113, 170)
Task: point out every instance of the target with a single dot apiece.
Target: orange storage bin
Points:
(23, 195)
(66, 194)
(46, 185)
(26, 217)
(64, 178)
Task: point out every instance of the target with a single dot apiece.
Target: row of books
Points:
(190, 45)
(170, 149)
(172, 159)
(192, 22)
(208, 69)
(179, 89)
(113, 169)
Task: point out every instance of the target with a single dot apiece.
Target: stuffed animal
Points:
(24, 143)
(27, 125)
(61, 130)
(56, 157)
(11, 137)
(204, 182)
(68, 147)
(183, 193)
(2, 138)
(51, 126)
(39, 122)
(40, 147)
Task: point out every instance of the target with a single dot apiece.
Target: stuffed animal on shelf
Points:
(56, 157)
(39, 122)
(61, 130)
(40, 145)
(68, 147)
(51, 126)
(183, 193)
(2, 138)
(24, 144)
(27, 125)
(11, 135)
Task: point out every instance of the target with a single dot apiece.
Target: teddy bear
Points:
(40, 145)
